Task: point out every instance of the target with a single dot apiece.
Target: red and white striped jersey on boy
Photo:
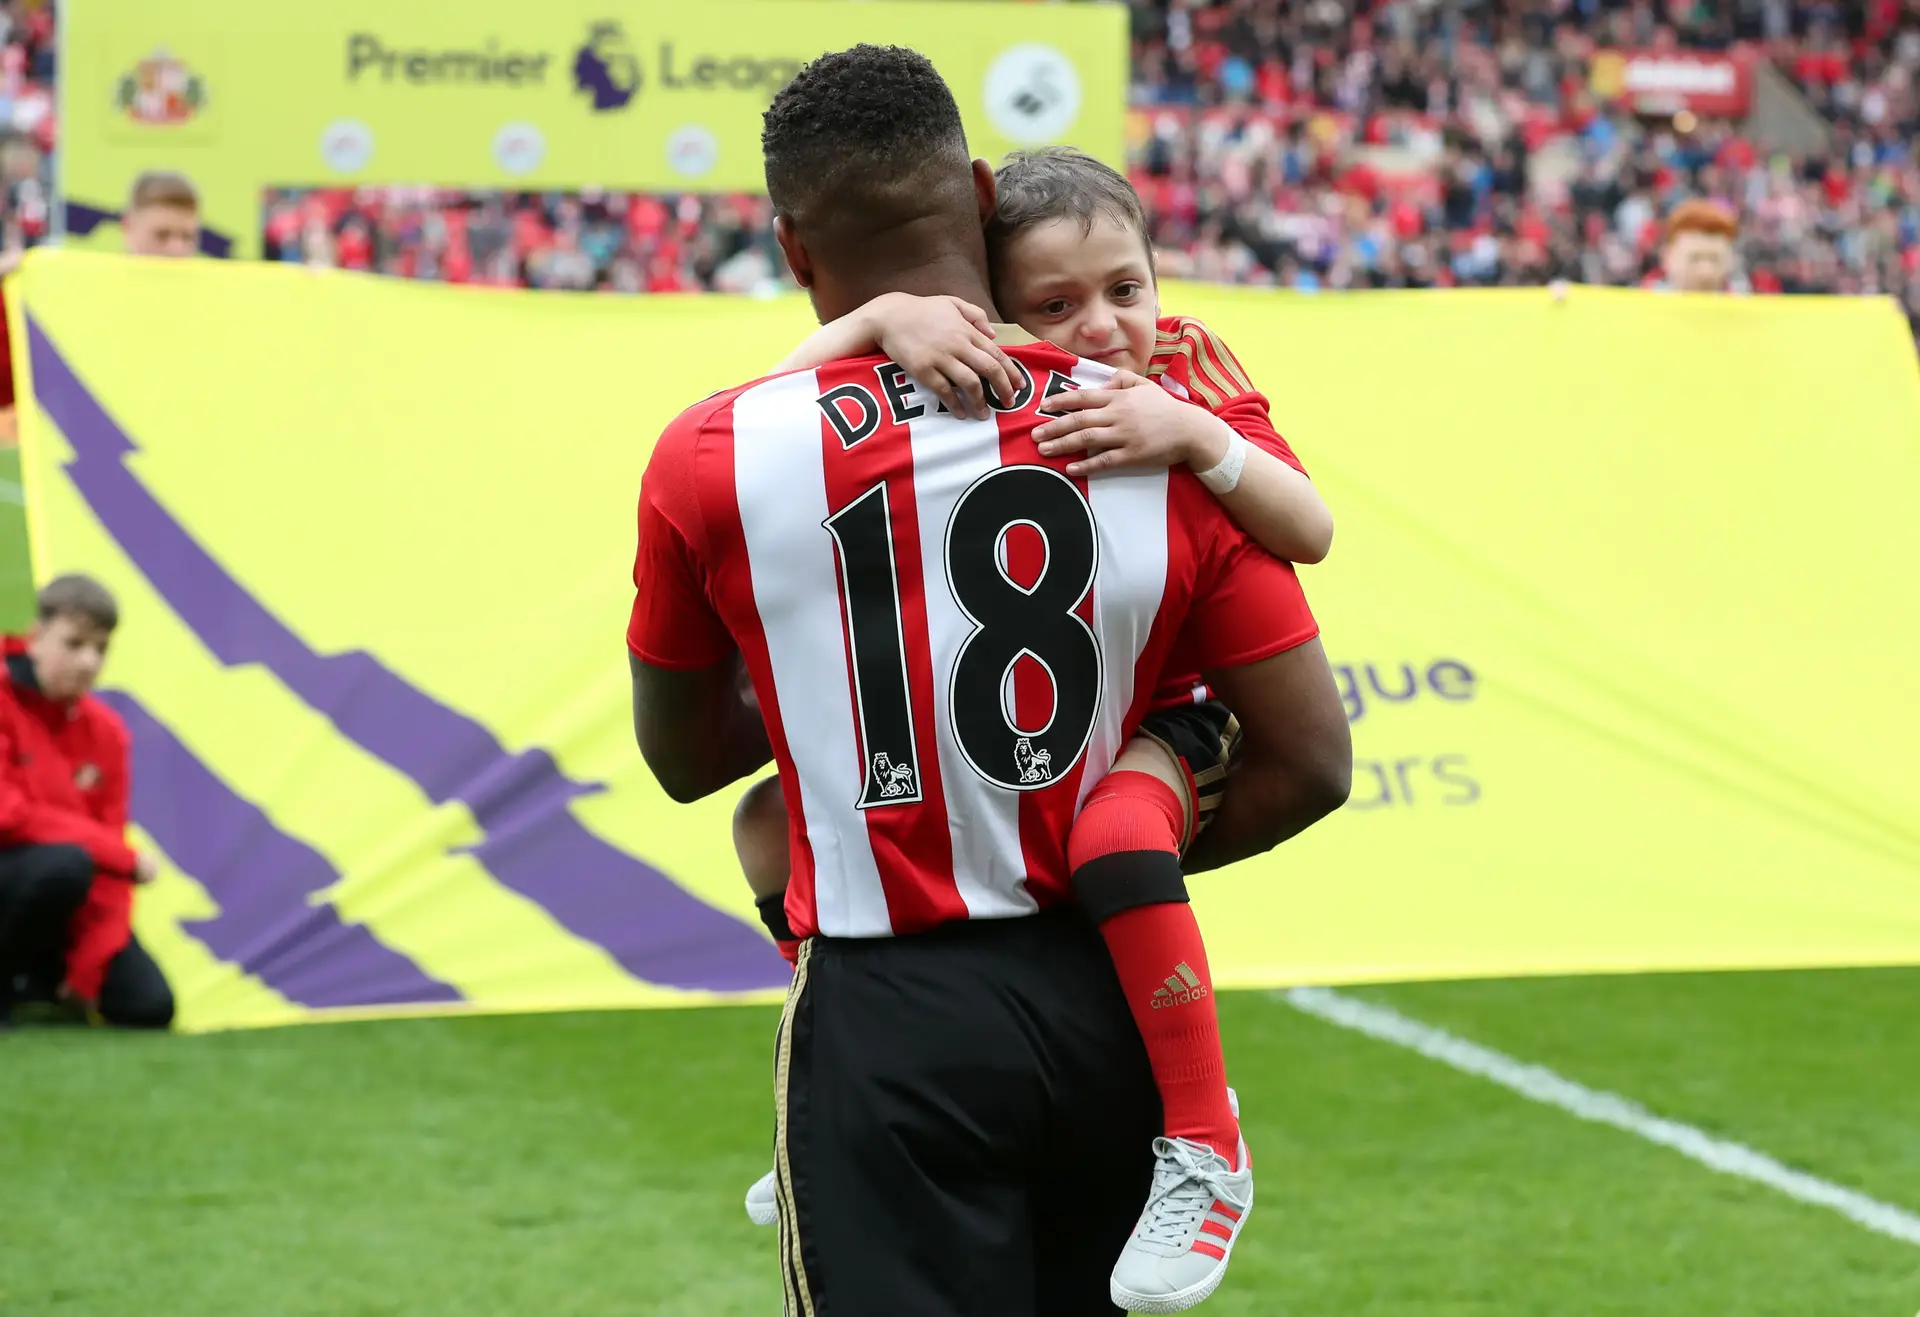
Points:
(1192, 362)
(949, 638)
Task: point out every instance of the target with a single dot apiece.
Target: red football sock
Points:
(1131, 825)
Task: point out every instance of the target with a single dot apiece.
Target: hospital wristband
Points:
(1224, 475)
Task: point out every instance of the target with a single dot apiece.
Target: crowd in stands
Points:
(1397, 144)
(27, 122)
(624, 242)
(1302, 143)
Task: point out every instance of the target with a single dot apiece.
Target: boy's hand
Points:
(1130, 422)
(145, 868)
(946, 345)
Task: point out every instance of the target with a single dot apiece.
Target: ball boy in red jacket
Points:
(66, 872)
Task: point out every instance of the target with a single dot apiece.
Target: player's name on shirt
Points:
(855, 409)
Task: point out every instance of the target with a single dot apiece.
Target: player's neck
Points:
(945, 276)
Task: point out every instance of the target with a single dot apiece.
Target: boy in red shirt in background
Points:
(66, 872)
(1698, 256)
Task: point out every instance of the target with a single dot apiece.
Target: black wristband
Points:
(773, 913)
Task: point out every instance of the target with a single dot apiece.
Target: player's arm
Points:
(693, 717)
(1134, 422)
(1252, 635)
(1296, 756)
(695, 729)
(943, 343)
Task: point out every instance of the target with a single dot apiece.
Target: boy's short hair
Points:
(79, 596)
(163, 187)
(1697, 216)
(1060, 182)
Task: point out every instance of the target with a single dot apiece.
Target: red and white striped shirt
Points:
(950, 639)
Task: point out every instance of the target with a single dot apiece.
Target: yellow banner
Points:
(1621, 605)
(243, 96)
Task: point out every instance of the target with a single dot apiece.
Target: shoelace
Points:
(1186, 1180)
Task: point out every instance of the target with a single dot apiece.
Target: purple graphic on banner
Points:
(656, 930)
(263, 880)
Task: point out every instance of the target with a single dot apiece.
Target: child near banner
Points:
(162, 219)
(67, 873)
(1698, 256)
(1072, 264)
(162, 216)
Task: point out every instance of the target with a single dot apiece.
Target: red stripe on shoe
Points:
(1210, 1249)
(1226, 1209)
(1217, 1228)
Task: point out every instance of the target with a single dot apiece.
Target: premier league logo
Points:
(1034, 766)
(892, 780)
(606, 68)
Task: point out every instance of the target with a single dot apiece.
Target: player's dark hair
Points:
(79, 596)
(865, 140)
(1060, 183)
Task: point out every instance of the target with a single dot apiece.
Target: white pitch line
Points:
(11, 493)
(1543, 1085)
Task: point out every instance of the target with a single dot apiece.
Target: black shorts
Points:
(966, 1120)
(1205, 738)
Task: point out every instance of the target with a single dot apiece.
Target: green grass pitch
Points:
(594, 1164)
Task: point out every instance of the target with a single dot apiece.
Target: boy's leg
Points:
(1125, 850)
(135, 994)
(1125, 853)
(40, 888)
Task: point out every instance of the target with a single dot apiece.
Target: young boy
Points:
(162, 216)
(66, 872)
(1072, 265)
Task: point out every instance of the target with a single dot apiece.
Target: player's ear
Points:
(799, 259)
(985, 189)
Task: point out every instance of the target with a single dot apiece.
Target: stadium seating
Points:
(1406, 144)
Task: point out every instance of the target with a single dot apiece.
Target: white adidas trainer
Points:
(762, 1210)
(1179, 1250)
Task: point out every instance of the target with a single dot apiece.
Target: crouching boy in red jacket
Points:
(66, 872)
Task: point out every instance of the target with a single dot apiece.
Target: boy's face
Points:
(67, 652)
(1090, 292)
(162, 231)
(1699, 262)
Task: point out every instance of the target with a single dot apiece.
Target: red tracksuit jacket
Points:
(63, 780)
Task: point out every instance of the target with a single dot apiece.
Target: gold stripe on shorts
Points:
(1210, 784)
(793, 1266)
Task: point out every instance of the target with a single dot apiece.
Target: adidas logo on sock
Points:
(1183, 986)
